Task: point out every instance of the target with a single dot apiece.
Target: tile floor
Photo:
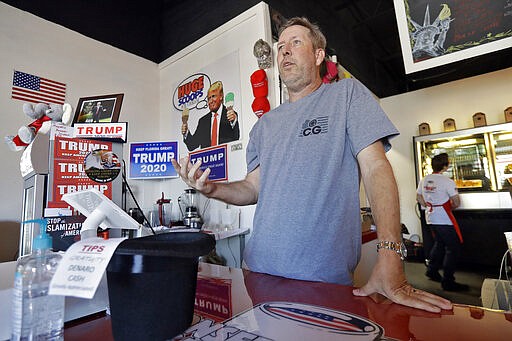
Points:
(415, 272)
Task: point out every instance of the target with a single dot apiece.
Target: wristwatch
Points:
(398, 247)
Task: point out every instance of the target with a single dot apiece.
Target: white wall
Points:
(237, 35)
(88, 67)
(490, 93)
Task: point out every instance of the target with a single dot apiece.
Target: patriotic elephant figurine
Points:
(43, 115)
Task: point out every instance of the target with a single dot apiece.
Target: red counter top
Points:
(236, 291)
(369, 236)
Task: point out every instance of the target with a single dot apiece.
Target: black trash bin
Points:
(152, 284)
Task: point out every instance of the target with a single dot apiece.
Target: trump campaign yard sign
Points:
(214, 158)
(150, 160)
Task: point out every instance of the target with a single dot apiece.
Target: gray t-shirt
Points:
(307, 222)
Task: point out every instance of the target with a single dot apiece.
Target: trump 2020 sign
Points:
(215, 158)
(151, 160)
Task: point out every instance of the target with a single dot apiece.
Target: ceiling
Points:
(362, 33)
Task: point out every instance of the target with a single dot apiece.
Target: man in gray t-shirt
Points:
(307, 226)
(304, 159)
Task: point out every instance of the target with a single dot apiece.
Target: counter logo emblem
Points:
(321, 318)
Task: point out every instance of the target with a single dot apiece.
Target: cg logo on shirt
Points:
(314, 126)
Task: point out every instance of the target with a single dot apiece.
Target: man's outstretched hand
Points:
(388, 279)
(193, 176)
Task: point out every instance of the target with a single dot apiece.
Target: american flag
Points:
(35, 89)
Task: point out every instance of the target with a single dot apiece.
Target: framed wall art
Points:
(433, 33)
(98, 109)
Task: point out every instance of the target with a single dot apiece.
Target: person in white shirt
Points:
(438, 194)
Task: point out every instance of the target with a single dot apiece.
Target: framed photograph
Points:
(98, 109)
(438, 32)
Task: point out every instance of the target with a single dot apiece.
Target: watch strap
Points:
(398, 247)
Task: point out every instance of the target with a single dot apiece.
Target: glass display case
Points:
(480, 163)
(502, 154)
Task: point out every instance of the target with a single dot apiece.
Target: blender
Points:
(191, 217)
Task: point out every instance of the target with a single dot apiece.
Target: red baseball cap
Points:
(259, 83)
(260, 105)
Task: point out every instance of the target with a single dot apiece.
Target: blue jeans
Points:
(445, 252)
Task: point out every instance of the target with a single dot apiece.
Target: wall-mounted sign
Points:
(215, 158)
(191, 92)
(434, 33)
(111, 131)
(206, 105)
(150, 160)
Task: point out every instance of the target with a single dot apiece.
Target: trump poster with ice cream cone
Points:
(206, 104)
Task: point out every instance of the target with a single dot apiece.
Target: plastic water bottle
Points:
(35, 314)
